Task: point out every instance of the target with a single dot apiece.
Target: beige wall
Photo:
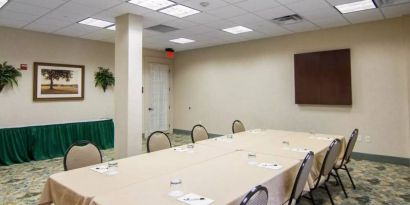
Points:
(253, 81)
(25, 47)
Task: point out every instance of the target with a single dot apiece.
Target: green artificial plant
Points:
(8, 75)
(104, 78)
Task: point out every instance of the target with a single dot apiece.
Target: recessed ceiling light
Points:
(152, 4)
(179, 11)
(96, 22)
(112, 28)
(182, 40)
(3, 2)
(356, 6)
(237, 30)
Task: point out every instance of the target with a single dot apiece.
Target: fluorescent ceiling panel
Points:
(3, 2)
(237, 30)
(152, 4)
(182, 40)
(356, 6)
(96, 22)
(112, 28)
(179, 11)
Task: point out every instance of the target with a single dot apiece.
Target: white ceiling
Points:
(60, 17)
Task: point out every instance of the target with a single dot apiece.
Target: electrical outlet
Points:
(367, 139)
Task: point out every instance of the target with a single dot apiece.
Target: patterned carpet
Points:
(377, 183)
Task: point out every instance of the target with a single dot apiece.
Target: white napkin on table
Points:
(186, 199)
(101, 168)
(270, 165)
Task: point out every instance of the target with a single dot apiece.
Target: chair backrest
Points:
(81, 154)
(257, 196)
(199, 133)
(330, 159)
(158, 141)
(301, 178)
(237, 126)
(350, 146)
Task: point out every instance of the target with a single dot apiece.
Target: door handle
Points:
(150, 109)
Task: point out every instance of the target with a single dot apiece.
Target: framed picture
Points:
(53, 82)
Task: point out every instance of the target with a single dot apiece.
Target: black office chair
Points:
(301, 179)
(257, 196)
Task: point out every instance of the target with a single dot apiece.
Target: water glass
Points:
(252, 158)
(190, 147)
(175, 185)
(112, 167)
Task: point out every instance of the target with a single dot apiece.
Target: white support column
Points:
(128, 86)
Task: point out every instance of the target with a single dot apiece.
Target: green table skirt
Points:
(18, 145)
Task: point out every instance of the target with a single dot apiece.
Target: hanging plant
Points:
(104, 78)
(8, 75)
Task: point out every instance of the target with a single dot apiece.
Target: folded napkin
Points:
(270, 165)
(180, 149)
(195, 199)
(101, 168)
(223, 139)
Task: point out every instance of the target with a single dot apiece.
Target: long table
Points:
(217, 169)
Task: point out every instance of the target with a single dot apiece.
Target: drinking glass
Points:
(229, 136)
(252, 158)
(112, 167)
(190, 147)
(175, 186)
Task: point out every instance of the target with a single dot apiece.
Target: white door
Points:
(158, 98)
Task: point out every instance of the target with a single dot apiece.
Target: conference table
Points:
(219, 169)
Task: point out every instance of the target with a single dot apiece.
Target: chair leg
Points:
(341, 184)
(328, 193)
(311, 198)
(350, 177)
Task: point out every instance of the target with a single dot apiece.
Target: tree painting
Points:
(54, 75)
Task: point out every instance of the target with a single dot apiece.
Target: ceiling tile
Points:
(180, 23)
(221, 24)
(255, 5)
(308, 5)
(364, 16)
(227, 11)
(100, 35)
(213, 4)
(269, 28)
(51, 4)
(201, 18)
(77, 30)
(102, 4)
(246, 19)
(330, 22)
(301, 27)
(25, 8)
(14, 23)
(274, 12)
(122, 9)
(396, 11)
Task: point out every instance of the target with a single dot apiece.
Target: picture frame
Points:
(58, 82)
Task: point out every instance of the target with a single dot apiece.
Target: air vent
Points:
(384, 3)
(162, 28)
(286, 20)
